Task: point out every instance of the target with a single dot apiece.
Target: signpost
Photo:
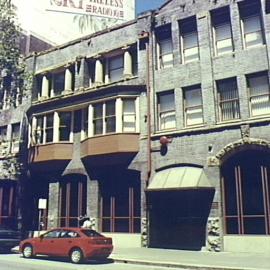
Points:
(42, 205)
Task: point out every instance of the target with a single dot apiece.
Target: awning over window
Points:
(179, 178)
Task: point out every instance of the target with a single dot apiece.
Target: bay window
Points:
(193, 107)
(129, 115)
(189, 40)
(228, 99)
(251, 22)
(222, 33)
(64, 126)
(49, 128)
(259, 96)
(166, 110)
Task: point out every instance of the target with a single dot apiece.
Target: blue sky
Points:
(143, 5)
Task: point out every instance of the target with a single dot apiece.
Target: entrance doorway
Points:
(178, 218)
(246, 192)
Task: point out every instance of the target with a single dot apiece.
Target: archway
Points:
(246, 191)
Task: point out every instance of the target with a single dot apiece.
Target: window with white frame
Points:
(104, 118)
(164, 47)
(166, 110)
(259, 95)
(251, 22)
(39, 130)
(15, 140)
(193, 106)
(189, 40)
(4, 145)
(48, 128)
(64, 126)
(129, 115)
(85, 121)
(228, 99)
(222, 33)
(116, 68)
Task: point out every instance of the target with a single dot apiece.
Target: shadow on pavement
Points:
(60, 259)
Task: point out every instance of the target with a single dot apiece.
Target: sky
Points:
(143, 5)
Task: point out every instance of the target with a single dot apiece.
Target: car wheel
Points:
(76, 255)
(27, 251)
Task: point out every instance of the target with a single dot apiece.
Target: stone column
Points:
(68, 80)
(93, 203)
(127, 63)
(45, 87)
(98, 72)
(53, 210)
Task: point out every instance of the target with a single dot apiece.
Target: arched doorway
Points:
(246, 192)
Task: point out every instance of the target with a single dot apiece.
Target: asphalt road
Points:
(15, 261)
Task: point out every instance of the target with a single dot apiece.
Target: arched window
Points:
(246, 192)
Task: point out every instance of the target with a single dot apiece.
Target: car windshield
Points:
(92, 233)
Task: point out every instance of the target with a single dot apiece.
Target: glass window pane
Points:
(129, 106)
(193, 97)
(165, 46)
(224, 46)
(166, 102)
(223, 32)
(110, 124)
(167, 120)
(98, 109)
(98, 126)
(252, 24)
(110, 108)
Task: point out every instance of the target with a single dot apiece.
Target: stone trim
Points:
(216, 160)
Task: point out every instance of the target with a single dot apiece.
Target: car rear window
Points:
(92, 233)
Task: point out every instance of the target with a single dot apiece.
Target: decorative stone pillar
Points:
(68, 80)
(53, 211)
(92, 203)
(127, 63)
(45, 87)
(98, 72)
(213, 234)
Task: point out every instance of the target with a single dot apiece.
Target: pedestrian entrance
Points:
(178, 218)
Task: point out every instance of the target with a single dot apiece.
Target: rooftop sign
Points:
(116, 9)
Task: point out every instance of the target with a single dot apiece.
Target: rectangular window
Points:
(104, 118)
(193, 106)
(222, 33)
(228, 99)
(189, 40)
(116, 68)
(49, 128)
(129, 115)
(110, 119)
(15, 142)
(98, 118)
(64, 126)
(166, 111)
(39, 131)
(250, 13)
(259, 98)
(164, 47)
(4, 145)
(58, 83)
(85, 122)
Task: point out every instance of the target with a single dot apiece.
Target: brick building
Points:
(158, 129)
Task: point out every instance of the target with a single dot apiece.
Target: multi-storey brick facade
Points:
(158, 128)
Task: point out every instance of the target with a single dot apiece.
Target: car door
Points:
(67, 239)
(48, 243)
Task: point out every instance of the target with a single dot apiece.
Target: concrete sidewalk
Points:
(192, 259)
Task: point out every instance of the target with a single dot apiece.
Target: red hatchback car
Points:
(76, 243)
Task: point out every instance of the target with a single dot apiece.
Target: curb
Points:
(179, 265)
